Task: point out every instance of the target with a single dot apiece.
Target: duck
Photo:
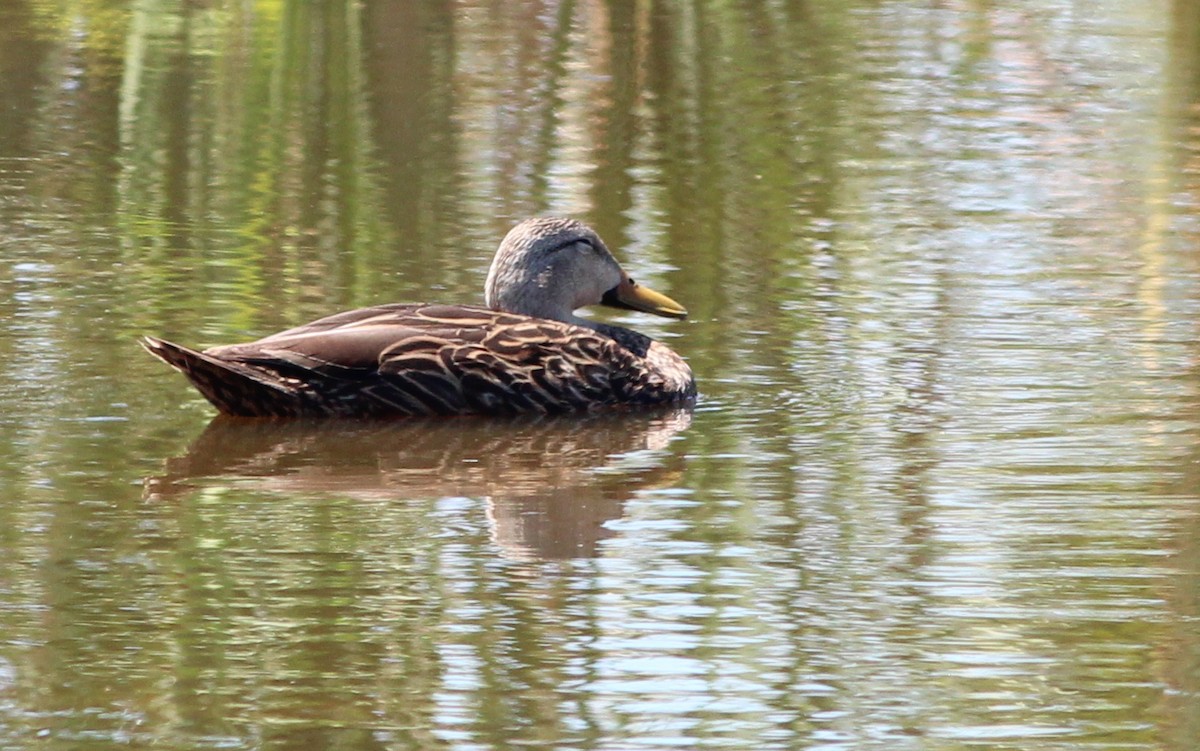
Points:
(525, 351)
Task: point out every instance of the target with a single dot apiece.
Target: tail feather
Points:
(232, 388)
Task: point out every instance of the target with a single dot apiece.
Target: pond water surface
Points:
(942, 486)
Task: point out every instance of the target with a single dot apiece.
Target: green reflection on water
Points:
(941, 488)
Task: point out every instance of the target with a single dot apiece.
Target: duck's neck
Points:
(627, 338)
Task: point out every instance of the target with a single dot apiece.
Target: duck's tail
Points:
(233, 388)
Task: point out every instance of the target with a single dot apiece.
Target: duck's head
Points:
(549, 267)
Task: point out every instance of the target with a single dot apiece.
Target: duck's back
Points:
(432, 360)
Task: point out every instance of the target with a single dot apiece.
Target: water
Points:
(941, 487)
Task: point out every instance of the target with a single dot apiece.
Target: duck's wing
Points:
(435, 359)
(356, 339)
(520, 365)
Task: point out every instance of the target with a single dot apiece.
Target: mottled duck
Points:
(525, 352)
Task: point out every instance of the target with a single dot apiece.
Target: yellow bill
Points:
(632, 296)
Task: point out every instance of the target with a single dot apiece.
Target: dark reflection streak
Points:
(688, 170)
(177, 92)
(550, 103)
(81, 165)
(101, 93)
(918, 422)
(400, 76)
(779, 169)
(330, 657)
(616, 129)
(338, 236)
(491, 719)
(708, 172)
(1179, 653)
(409, 54)
(676, 134)
(684, 116)
(316, 109)
(23, 57)
(821, 102)
(521, 690)
(583, 612)
(328, 194)
(530, 661)
(201, 707)
(274, 270)
(23, 66)
(920, 418)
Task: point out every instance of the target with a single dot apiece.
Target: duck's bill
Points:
(632, 296)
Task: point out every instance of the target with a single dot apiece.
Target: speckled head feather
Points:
(548, 267)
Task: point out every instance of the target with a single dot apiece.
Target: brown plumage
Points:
(526, 352)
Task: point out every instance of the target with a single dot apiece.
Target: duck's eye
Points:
(579, 241)
(631, 282)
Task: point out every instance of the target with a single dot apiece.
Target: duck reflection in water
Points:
(550, 484)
